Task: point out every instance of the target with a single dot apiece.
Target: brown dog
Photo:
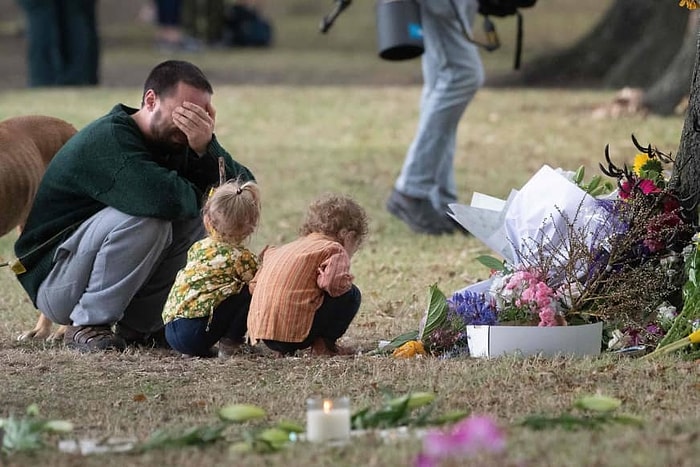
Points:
(27, 145)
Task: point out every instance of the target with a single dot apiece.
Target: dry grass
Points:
(301, 141)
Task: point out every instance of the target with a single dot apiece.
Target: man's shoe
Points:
(92, 338)
(418, 214)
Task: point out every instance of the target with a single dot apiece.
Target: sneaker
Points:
(92, 338)
(418, 214)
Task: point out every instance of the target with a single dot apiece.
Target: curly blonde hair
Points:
(232, 211)
(332, 213)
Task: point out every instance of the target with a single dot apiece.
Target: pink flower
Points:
(625, 190)
(547, 316)
(644, 185)
(648, 186)
(466, 438)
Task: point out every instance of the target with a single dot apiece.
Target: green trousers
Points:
(62, 42)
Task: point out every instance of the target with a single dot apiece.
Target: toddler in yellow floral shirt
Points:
(209, 300)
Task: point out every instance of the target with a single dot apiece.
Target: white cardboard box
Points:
(494, 341)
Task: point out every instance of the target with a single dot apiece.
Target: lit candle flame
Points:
(327, 405)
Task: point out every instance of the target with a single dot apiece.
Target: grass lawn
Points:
(301, 141)
(304, 141)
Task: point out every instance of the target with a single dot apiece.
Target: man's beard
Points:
(164, 141)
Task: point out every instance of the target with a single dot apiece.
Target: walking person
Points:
(452, 73)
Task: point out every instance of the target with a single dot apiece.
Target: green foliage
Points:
(192, 436)
(595, 411)
(435, 313)
(260, 440)
(27, 433)
(434, 316)
(239, 413)
(597, 403)
(683, 323)
(400, 340)
(413, 409)
(594, 187)
(490, 262)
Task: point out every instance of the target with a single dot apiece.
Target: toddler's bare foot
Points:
(320, 348)
(229, 347)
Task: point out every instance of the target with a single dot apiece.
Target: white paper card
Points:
(494, 341)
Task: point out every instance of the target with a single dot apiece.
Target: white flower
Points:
(618, 340)
(666, 312)
(498, 291)
(569, 293)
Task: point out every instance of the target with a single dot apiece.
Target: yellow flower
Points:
(689, 4)
(639, 161)
(693, 338)
(409, 349)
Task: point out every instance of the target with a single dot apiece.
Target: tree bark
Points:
(664, 95)
(631, 45)
(659, 42)
(686, 172)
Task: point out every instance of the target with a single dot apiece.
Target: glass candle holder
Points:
(328, 420)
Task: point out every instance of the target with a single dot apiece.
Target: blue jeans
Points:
(452, 73)
(331, 321)
(117, 268)
(196, 336)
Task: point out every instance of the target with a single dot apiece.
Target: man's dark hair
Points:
(164, 78)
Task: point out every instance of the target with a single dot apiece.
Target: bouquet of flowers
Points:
(620, 256)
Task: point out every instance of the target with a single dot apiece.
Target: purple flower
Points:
(470, 436)
(472, 308)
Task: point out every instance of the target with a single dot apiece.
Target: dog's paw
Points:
(37, 334)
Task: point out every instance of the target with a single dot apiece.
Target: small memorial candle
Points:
(328, 420)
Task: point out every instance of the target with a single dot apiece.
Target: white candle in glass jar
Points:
(328, 420)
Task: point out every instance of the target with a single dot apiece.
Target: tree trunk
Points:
(664, 95)
(686, 172)
(631, 45)
(659, 42)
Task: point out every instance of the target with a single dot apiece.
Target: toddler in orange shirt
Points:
(303, 293)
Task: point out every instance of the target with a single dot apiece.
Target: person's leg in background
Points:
(468, 77)
(43, 39)
(170, 36)
(80, 43)
(452, 74)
